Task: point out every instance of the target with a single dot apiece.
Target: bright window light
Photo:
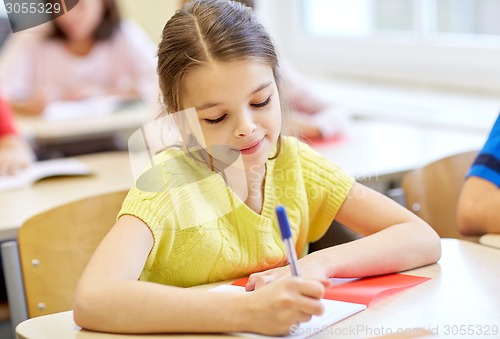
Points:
(338, 17)
(356, 18)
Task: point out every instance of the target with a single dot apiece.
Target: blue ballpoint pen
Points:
(286, 234)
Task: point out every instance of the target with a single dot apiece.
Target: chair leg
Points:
(14, 283)
(398, 195)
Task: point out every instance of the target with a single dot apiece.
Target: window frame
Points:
(444, 59)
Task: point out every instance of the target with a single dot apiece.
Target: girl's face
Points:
(81, 22)
(238, 109)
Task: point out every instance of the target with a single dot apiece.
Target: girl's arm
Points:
(395, 240)
(110, 298)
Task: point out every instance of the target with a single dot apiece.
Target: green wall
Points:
(151, 15)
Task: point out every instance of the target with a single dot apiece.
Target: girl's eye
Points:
(215, 121)
(263, 103)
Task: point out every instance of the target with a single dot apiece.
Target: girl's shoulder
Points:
(289, 145)
(291, 153)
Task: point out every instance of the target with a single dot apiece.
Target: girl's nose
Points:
(246, 125)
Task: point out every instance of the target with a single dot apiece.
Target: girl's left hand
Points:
(308, 266)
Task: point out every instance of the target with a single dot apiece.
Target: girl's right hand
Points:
(288, 301)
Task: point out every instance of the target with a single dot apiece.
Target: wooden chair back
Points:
(432, 192)
(56, 245)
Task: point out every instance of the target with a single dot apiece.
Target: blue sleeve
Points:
(487, 163)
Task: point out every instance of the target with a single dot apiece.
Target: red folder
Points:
(364, 290)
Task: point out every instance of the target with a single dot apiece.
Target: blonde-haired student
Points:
(211, 216)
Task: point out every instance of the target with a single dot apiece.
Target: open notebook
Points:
(342, 299)
(82, 109)
(43, 169)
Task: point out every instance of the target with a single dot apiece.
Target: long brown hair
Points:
(248, 3)
(109, 22)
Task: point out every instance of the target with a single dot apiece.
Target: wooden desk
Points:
(492, 240)
(111, 173)
(462, 295)
(374, 149)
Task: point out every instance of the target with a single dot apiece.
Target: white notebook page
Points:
(335, 311)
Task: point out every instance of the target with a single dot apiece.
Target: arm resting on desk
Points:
(478, 209)
(395, 239)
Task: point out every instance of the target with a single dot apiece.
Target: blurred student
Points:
(15, 154)
(90, 52)
(310, 117)
(478, 209)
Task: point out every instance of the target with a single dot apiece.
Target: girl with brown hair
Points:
(203, 223)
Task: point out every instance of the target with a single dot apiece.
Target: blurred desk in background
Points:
(50, 136)
(111, 173)
(378, 153)
(492, 240)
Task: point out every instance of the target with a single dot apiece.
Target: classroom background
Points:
(421, 63)
(419, 81)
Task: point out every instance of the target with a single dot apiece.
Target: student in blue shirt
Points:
(479, 203)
